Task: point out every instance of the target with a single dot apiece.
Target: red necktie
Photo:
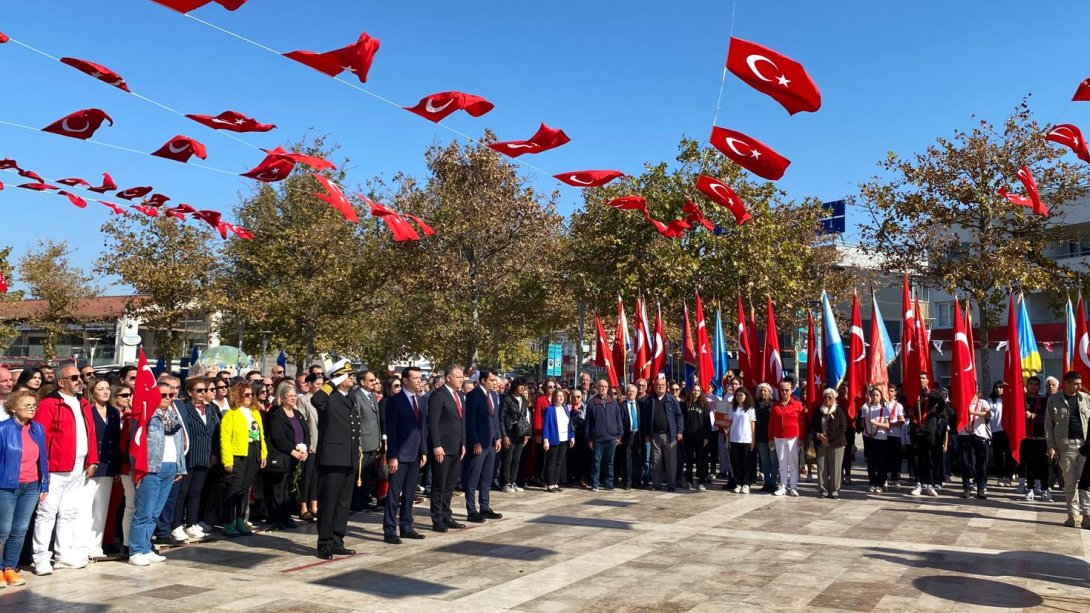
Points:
(457, 403)
(491, 407)
(416, 409)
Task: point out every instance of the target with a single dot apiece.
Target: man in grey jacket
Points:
(372, 437)
(1066, 416)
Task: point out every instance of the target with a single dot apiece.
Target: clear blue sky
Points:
(624, 80)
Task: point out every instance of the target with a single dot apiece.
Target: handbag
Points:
(811, 450)
(276, 464)
(382, 469)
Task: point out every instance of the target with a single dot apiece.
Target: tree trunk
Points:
(984, 371)
(310, 344)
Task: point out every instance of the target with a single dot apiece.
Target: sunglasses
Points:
(126, 395)
(247, 395)
(172, 395)
(75, 378)
(200, 390)
(221, 387)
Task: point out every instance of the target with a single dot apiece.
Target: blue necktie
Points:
(635, 418)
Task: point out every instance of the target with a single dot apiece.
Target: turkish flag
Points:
(313, 161)
(74, 181)
(924, 338)
(629, 203)
(179, 211)
(108, 184)
(238, 231)
(544, 139)
(336, 199)
(745, 356)
(3, 38)
(813, 393)
(1071, 137)
(773, 371)
(113, 207)
(97, 71)
(38, 187)
(81, 124)
(184, 6)
(1080, 363)
(30, 174)
(641, 367)
(150, 211)
(425, 228)
(74, 199)
(1032, 199)
(272, 169)
(749, 153)
(3, 279)
(620, 341)
(601, 351)
(400, 229)
(7, 163)
(208, 216)
(1, 186)
(910, 351)
(437, 107)
(588, 178)
(704, 363)
(773, 74)
(134, 192)
(693, 215)
(145, 401)
(180, 149)
(1082, 92)
(962, 373)
(724, 196)
(857, 362)
(674, 229)
(658, 346)
(232, 122)
(1014, 395)
(355, 58)
(155, 200)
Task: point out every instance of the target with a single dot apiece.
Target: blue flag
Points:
(282, 360)
(1027, 342)
(836, 360)
(719, 354)
(160, 366)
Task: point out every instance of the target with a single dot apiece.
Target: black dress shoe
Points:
(475, 518)
(490, 514)
(392, 539)
(325, 554)
(439, 527)
(344, 551)
(412, 534)
(450, 523)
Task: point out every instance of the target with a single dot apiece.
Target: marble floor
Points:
(628, 551)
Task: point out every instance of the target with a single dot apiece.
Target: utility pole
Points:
(579, 343)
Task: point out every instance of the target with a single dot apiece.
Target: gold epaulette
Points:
(327, 388)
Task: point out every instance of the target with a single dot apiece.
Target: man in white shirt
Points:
(7, 383)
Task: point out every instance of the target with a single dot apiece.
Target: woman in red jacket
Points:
(784, 430)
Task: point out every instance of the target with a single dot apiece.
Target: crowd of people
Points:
(227, 453)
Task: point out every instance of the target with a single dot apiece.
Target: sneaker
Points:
(871, 489)
(519, 489)
(195, 532)
(967, 493)
(795, 493)
(737, 489)
(71, 564)
(243, 527)
(878, 490)
(154, 557)
(931, 491)
(230, 530)
(1046, 496)
(779, 492)
(179, 534)
(916, 491)
(745, 489)
(508, 489)
(1029, 496)
(205, 527)
(11, 577)
(45, 568)
(139, 559)
(701, 488)
(594, 489)
(982, 494)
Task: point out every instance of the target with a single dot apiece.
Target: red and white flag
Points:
(813, 391)
(1071, 137)
(629, 203)
(232, 121)
(658, 347)
(910, 352)
(1032, 199)
(108, 184)
(336, 198)
(693, 216)
(437, 107)
(271, 169)
(81, 124)
(98, 71)
(745, 356)
(857, 362)
(962, 369)
(74, 199)
(74, 182)
(588, 178)
(641, 367)
(1082, 92)
(773, 74)
(180, 149)
(749, 153)
(1080, 363)
(134, 192)
(602, 354)
(705, 364)
(145, 400)
(1014, 394)
(184, 6)
(621, 342)
(400, 228)
(724, 196)
(544, 139)
(355, 58)
(773, 373)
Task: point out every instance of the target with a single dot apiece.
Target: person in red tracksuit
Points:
(785, 429)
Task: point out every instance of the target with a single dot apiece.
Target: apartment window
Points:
(944, 314)
(1078, 247)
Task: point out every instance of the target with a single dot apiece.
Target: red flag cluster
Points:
(279, 163)
(336, 198)
(397, 223)
(675, 228)
(355, 58)
(1071, 137)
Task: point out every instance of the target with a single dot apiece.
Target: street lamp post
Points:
(264, 347)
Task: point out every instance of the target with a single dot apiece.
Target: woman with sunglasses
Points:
(101, 484)
(220, 399)
(121, 398)
(163, 437)
(202, 423)
(242, 445)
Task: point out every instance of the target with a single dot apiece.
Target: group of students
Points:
(68, 479)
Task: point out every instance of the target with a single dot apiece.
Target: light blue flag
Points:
(887, 345)
(1069, 338)
(836, 360)
(719, 353)
(1027, 342)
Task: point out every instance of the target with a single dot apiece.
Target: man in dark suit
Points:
(482, 444)
(628, 459)
(662, 425)
(338, 458)
(447, 436)
(406, 454)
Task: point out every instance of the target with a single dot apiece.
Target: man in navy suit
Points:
(406, 454)
(482, 444)
(447, 436)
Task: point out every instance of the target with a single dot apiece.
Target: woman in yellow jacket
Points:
(242, 447)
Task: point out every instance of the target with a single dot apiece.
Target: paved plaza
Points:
(628, 551)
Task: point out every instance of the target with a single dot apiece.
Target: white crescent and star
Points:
(185, 146)
(752, 61)
(575, 179)
(521, 145)
(68, 128)
(722, 190)
(1084, 346)
(437, 109)
(960, 337)
(857, 331)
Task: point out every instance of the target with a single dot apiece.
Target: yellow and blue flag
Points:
(1027, 343)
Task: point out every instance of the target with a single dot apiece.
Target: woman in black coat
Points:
(287, 439)
(829, 429)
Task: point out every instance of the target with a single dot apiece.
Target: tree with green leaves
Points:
(7, 273)
(50, 277)
(937, 215)
(172, 265)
